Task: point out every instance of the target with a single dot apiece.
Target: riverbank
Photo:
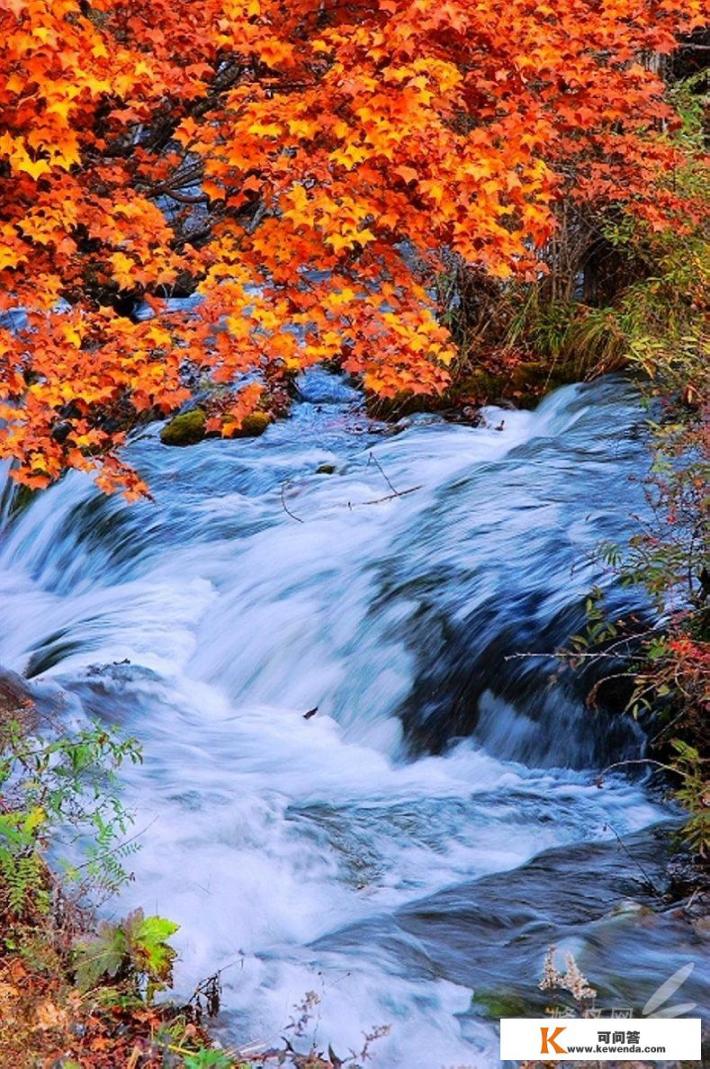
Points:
(48, 1016)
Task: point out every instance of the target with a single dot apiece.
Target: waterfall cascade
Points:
(434, 826)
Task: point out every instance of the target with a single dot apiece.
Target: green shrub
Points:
(135, 951)
(49, 784)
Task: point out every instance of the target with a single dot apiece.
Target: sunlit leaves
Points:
(303, 166)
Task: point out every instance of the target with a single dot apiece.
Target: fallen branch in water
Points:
(387, 497)
(350, 505)
(647, 881)
(285, 507)
(632, 761)
(382, 471)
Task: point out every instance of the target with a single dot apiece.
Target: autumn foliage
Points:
(305, 166)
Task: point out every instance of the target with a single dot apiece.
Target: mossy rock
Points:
(496, 1004)
(187, 428)
(524, 385)
(478, 384)
(254, 424)
(402, 404)
(326, 469)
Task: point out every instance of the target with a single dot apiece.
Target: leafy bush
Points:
(87, 983)
(134, 951)
(694, 794)
(49, 784)
(209, 1059)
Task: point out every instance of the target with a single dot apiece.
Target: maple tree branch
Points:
(185, 198)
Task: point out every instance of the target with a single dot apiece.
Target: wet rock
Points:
(326, 469)
(16, 498)
(187, 428)
(628, 906)
(254, 425)
(16, 703)
(319, 386)
(689, 877)
(701, 924)
(491, 934)
(13, 690)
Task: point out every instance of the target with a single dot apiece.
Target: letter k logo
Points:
(548, 1044)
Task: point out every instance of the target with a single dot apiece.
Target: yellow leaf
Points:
(269, 129)
(10, 257)
(34, 168)
(339, 241)
(123, 269)
(72, 335)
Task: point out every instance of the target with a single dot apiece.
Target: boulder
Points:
(187, 428)
(254, 425)
(16, 704)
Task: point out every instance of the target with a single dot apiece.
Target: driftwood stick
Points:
(285, 507)
(387, 497)
(384, 474)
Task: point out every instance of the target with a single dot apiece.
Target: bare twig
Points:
(387, 497)
(285, 507)
(634, 761)
(186, 198)
(351, 504)
(646, 878)
(382, 471)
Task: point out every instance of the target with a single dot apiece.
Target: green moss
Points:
(478, 383)
(185, 429)
(254, 425)
(524, 384)
(402, 404)
(496, 1004)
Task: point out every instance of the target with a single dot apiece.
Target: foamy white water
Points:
(372, 852)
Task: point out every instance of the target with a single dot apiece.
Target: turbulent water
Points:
(410, 850)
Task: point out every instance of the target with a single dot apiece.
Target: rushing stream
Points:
(427, 833)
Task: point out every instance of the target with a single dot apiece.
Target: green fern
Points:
(49, 784)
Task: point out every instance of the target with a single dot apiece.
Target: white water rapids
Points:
(374, 853)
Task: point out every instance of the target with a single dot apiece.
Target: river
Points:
(410, 850)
